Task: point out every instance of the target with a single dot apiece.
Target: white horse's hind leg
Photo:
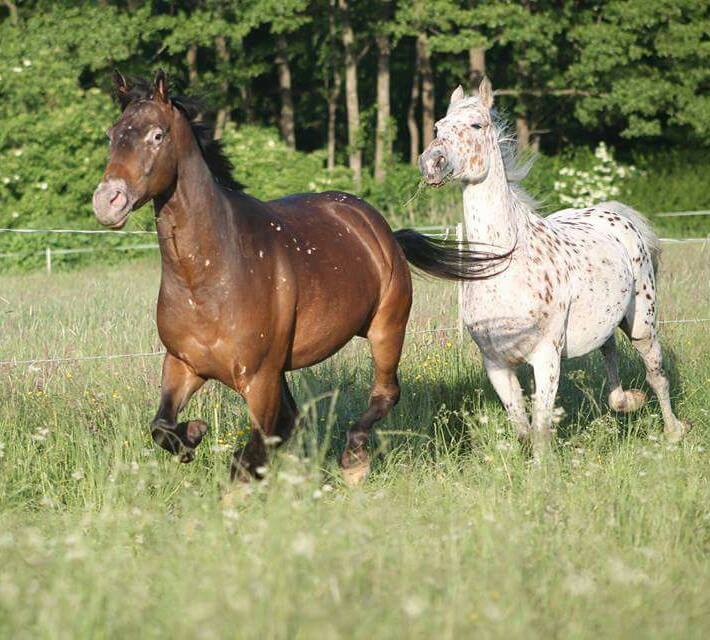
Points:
(619, 400)
(650, 350)
(640, 325)
(507, 386)
(546, 366)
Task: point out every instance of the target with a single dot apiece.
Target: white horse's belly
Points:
(597, 307)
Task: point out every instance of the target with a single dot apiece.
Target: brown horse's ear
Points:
(120, 85)
(485, 92)
(160, 89)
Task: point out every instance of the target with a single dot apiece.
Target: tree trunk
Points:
(351, 96)
(476, 67)
(412, 125)
(12, 9)
(383, 144)
(427, 89)
(191, 59)
(522, 130)
(333, 84)
(286, 121)
(223, 113)
(333, 95)
(247, 97)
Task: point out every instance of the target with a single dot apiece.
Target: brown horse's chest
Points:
(198, 338)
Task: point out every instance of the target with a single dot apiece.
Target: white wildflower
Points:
(413, 606)
(622, 573)
(40, 434)
(580, 584)
(304, 545)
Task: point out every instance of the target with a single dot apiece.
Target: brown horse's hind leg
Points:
(179, 383)
(273, 413)
(386, 345)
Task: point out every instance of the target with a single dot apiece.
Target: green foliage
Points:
(646, 64)
(270, 169)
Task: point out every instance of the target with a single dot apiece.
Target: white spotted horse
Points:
(572, 278)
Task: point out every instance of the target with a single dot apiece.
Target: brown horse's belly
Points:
(325, 328)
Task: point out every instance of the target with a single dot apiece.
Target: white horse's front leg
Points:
(507, 386)
(546, 365)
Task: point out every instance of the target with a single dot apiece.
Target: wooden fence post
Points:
(459, 287)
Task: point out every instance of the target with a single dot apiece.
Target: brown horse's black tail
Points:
(450, 259)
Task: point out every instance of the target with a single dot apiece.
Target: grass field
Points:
(454, 535)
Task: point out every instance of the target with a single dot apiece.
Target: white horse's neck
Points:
(492, 213)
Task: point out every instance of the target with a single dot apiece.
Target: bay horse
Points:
(249, 289)
(573, 277)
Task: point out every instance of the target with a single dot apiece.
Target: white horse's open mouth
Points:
(444, 180)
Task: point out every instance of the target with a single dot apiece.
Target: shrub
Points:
(599, 181)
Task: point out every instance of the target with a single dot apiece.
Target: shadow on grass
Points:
(582, 394)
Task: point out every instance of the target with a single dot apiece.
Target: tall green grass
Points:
(455, 534)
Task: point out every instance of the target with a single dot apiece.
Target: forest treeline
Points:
(367, 78)
(310, 95)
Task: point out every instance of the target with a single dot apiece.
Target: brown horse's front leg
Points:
(179, 383)
(272, 413)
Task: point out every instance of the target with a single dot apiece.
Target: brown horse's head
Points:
(142, 161)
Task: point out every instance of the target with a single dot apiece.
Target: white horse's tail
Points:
(643, 226)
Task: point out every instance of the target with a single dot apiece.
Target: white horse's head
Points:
(464, 139)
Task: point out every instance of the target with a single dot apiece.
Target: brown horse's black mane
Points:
(191, 107)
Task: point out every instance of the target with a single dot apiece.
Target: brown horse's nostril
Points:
(118, 200)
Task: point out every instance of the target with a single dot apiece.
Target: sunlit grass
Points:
(455, 534)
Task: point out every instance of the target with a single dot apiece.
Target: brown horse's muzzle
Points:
(113, 203)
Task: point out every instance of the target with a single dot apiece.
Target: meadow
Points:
(455, 533)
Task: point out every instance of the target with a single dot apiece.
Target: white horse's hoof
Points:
(679, 429)
(627, 401)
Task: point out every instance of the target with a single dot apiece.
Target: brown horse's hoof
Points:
(235, 495)
(180, 440)
(190, 434)
(355, 467)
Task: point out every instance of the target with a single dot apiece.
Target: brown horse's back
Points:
(348, 264)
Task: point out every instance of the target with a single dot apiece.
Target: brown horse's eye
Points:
(158, 136)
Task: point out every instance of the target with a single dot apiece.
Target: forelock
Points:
(470, 103)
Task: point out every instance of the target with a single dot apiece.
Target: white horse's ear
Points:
(485, 92)
(457, 95)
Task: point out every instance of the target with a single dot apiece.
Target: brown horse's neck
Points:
(194, 218)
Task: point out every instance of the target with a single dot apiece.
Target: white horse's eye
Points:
(477, 125)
